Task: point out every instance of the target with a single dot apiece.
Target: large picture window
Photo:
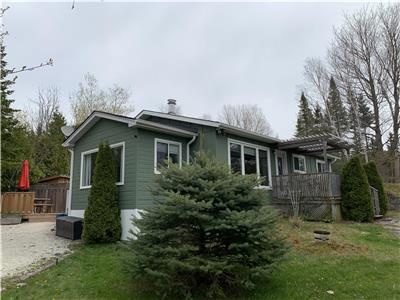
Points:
(166, 152)
(88, 162)
(247, 158)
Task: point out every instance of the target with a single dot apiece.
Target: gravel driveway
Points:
(26, 245)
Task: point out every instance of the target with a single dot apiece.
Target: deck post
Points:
(324, 145)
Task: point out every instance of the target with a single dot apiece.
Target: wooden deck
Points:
(29, 207)
(318, 194)
(315, 186)
(43, 217)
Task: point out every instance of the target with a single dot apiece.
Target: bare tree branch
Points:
(246, 116)
(46, 104)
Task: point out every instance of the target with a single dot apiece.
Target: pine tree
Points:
(356, 196)
(360, 119)
(336, 110)
(102, 222)
(375, 180)
(305, 119)
(320, 121)
(209, 233)
(51, 157)
(14, 136)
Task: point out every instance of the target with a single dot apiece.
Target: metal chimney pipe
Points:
(172, 106)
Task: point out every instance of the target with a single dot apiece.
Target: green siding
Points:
(311, 162)
(112, 132)
(139, 162)
(145, 167)
(139, 159)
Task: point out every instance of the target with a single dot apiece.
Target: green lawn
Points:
(361, 261)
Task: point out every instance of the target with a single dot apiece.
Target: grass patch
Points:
(360, 261)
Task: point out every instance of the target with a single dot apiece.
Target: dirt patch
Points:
(329, 247)
(28, 246)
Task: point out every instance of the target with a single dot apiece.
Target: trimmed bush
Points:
(356, 196)
(375, 180)
(211, 234)
(102, 222)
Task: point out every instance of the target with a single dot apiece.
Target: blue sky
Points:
(204, 55)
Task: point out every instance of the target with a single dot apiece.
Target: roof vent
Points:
(172, 106)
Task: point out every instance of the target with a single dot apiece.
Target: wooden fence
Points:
(310, 186)
(17, 202)
(55, 193)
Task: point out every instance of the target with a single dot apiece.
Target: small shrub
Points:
(356, 196)
(375, 180)
(102, 222)
(210, 234)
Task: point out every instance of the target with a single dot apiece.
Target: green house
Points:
(143, 143)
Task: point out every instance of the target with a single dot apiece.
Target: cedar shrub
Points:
(375, 180)
(102, 222)
(356, 195)
(208, 233)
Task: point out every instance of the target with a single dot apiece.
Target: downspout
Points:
(71, 169)
(188, 148)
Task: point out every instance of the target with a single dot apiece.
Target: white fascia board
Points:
(89, 122)
(161, 128)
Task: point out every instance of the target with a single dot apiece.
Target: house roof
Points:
(314, 144)
(95, 116)
(145, 114)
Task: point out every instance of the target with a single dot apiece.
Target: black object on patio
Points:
(69, 227)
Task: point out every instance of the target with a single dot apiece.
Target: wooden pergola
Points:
(318, 144)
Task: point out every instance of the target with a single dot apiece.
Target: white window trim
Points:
(97, 150)
(257, 147)
(156, 140)
(322, 162)
(305, 163)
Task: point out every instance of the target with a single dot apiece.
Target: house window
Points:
(263, 161)
(236, 158)
(249, 159)
(299, 163)
(88, 162)
(166, 152)
(320, 166)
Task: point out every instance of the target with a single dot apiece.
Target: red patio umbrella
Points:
(23, 183)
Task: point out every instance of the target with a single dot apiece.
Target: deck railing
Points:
(311, 186)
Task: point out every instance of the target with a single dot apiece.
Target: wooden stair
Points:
(45, 217)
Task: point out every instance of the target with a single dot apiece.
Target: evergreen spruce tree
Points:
(51, 157)
(320, 121)
(102, 222)
(375, 180)
(356, 196)
(337, 110)
(14, 135)
(305, 120)
(208, 234)
(360, 119)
